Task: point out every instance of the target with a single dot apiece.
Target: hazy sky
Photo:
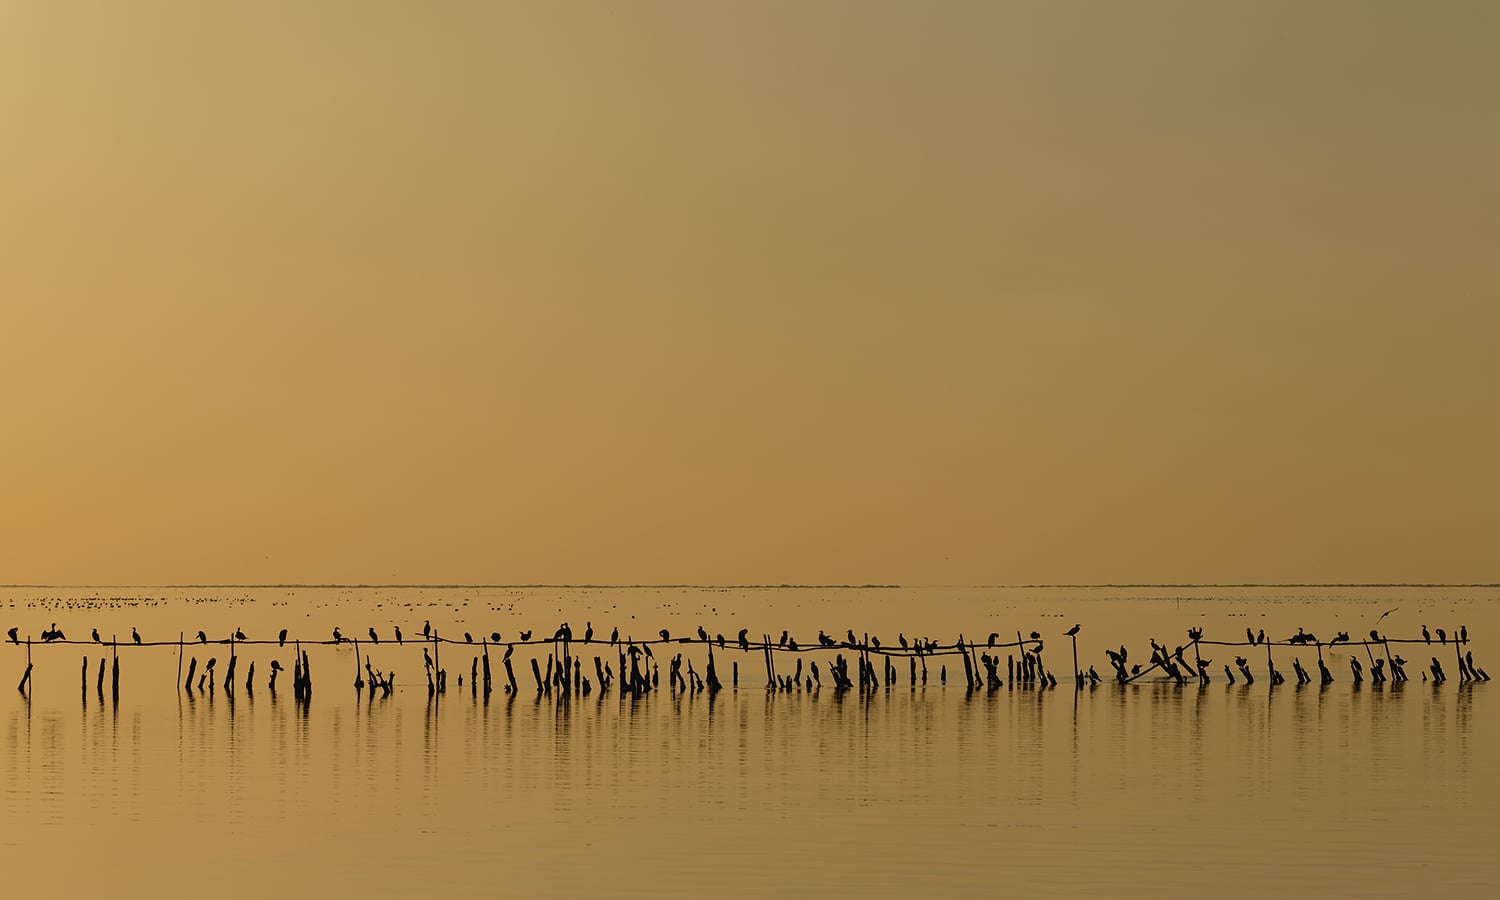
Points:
(924, 293)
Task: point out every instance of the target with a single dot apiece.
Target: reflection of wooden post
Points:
(179, 660)
(85, 675)
(114, 671)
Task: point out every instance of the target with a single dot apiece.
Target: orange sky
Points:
(727, 293)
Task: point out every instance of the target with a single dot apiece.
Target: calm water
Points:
(1219, 790)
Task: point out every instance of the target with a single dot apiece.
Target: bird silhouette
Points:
(1240, 661)
(1442, 636)
(1072, 631)
(995, 636)
(1341, 638)
(1463, 634)
(525, 635)
(202, 638)
(135, 635)
(1035, 635)
(426, 658)
(901, 639)
(1260, 637)
(1374, 636)
(720, 639)
(1250, 636)
(665, 634)
(588, 632)
(494, 637)
(852, 641)
(96, 637)
(337, 638)
(744, 641)
(702, 635)
(11, 633)
(239, 635)
(1425, 635)
(374, 637)
(468, 638)
(782, 642)
(614, 636)
(280, 639)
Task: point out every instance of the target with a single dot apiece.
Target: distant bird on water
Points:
(135, 635)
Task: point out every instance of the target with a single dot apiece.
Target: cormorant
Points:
(1260, 638)
(494, 637)
(426, 658)
(1374, 636)
(97, 640)
(1425, 636)
(239, 635)
(374, 638)
(526, 635)
(744, 642)
(337, 638)
(135, 635)
(1072, 631)
(1035, 635)
(12, 635)
(398, 635)
(782, 642)
(614, 636)
(1442, 636)
(280, 639)
(702, 635)
(1463, 634)
(901, 639)
(588, 632)
(468, 638)
(665, 634)
(1250, 636)
(720, 639)
(995, 636)
(426, 629)
(202, 638)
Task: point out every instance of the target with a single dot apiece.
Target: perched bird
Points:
(665, 634)
(1374, 636)
(494, 637)
(240, 635)
(1035, 635)
(135, 635)
(852, 641)
(744, 641)
(426, 658)
(203, 638)
(337, 638)
(1425, 635)
(374, 637)
(1240, 661)
(1463, 634)
(1442, 636)
(398, 635)
(12, 635)
(1250, 636)
(1341, 638)
(275, 666)
(875, 641)
(782, 642)
(1260, 637)
(1072, 631)
(526, 635)
(468, 638)
(426, 629)
(280, 639)
(995, 636)
(614, 636)
(97, 640)
(588, 632)
(720, 639)
(702, 635)
(901, 639)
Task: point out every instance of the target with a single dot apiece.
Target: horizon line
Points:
(782, 586)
